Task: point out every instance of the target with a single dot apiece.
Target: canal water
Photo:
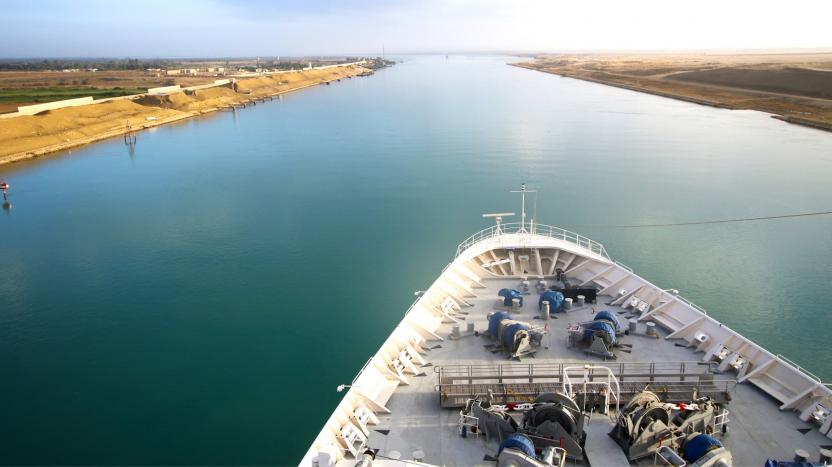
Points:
(198, 299)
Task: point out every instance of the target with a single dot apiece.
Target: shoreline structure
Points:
(644, 86)
(26, 136)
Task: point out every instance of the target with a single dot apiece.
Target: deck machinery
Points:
(646, 424)
(517, 338)
(598, 337)
(552, 422)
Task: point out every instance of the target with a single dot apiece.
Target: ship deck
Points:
(757, 429)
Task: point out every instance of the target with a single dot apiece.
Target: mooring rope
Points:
(721, 221)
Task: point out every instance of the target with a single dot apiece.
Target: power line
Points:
(722, 221)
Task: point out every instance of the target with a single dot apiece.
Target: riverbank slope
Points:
(796, 88)
(29, 136)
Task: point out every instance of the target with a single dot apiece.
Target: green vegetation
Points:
(37, 95)
(61, 64)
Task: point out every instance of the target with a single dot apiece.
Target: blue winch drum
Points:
(699, 446)
(609, 316)
(600, 326)
(554, 298)
(494, 322)
(510, 294)
(520, 442)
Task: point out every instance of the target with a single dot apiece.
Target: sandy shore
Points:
(796, 88)
(26, 137)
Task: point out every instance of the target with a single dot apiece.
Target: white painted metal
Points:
(607, 383)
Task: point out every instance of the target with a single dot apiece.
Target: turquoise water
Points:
(198, 301)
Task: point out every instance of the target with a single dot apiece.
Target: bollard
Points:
(544, 311)
(581, 300)
(801, 455)
(651, 329)
(825, 455)
(470, 327)
(515, 304)
(455, 331)
(633, 325)
(418, 455)
(567, 304)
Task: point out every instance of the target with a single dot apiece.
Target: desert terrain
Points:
(794, 87)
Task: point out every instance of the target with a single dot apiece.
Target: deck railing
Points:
(537, 229)
(654, 371)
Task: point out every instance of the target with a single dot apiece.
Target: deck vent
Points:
(702, 337)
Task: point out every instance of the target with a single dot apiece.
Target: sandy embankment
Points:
(26, 137)
(796, 88)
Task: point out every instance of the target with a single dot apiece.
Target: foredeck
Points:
(418, 422)
(404, 404)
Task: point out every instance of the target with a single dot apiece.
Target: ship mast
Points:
(523, 192)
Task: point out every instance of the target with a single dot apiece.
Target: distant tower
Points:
(382, 51)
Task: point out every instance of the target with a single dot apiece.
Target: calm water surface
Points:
(198, 301)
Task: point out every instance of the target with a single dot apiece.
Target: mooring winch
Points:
(518, 338)
(646, 424)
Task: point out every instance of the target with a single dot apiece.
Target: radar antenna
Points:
(498, 217)
(523, 192)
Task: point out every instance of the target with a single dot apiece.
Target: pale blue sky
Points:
(209, 28)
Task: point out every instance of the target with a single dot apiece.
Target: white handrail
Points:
(801, 369)
(536, 229)
(611, 383)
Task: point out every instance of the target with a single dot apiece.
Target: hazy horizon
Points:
(232, 28)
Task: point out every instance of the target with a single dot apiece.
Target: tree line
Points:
(67, 64)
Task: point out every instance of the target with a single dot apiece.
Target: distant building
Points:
(174, 72)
